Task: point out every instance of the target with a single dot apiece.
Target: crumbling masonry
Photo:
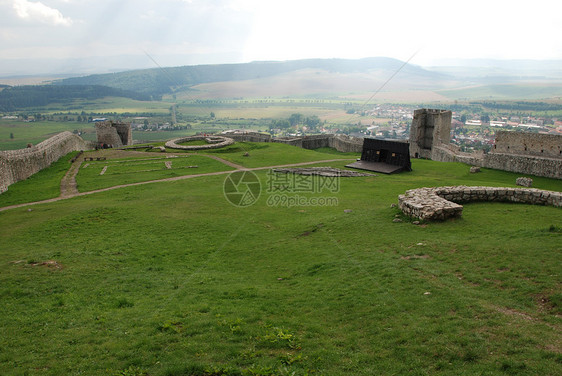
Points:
(441, 203)
(114, 134)
(341, 143)
(522, 152)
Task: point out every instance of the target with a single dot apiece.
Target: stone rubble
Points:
(322, 171)
(524, 182)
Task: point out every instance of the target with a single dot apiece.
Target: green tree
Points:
(312, 121)
(295, 119)
(11, 136)
(281, 124)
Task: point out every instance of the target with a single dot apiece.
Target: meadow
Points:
(102, 174)
(34, 132)
(171, 279)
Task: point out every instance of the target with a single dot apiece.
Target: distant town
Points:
(471, 129)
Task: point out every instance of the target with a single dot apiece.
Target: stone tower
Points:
(114, 134)
(429, 128)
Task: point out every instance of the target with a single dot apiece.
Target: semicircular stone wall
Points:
(440, 203)
(213, 142)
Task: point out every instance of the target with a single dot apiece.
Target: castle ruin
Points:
(429, 128)
(522, 152)
(341, 143)
(114, 134)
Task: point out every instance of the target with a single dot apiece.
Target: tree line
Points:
(311, 122)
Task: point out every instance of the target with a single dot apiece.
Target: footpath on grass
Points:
(68, 183)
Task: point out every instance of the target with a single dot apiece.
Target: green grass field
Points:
(273, 154)
(505, 92)
(133, 170)
(170, 279)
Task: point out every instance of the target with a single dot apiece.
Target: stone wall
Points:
(440, 203)
(341, 143)
(450, 153)
(429, 128)
(522, 152)
(523, 164)
(114, 134)
(529, 165)
(346, 144)
(16, 165)
(248, 136)
(293, 141)
(530, 144)
(213, 142)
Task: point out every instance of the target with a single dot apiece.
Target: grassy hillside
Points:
(160, 81)
(170, 279)
(35, 96)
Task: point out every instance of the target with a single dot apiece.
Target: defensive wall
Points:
(247, 136)
(522, 152)
(16, 165)
(341, 143)
(530, 164)
(529, 144)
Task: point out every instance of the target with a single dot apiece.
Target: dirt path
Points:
(68, 182)
(228, 163)
(70, 193)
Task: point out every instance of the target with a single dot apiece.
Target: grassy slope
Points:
(170, 279)
(272, 154)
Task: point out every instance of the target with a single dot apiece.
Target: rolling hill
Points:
(159, 81)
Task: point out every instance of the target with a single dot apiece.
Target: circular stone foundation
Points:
(213, 142)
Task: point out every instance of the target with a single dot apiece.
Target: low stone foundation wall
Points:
(441, 203)
(213, 142)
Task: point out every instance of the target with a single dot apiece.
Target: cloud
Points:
(37, 11)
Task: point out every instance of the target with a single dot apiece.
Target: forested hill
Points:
(18, 97)
(158, 81)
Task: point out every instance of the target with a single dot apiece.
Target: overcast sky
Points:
(185, 32)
